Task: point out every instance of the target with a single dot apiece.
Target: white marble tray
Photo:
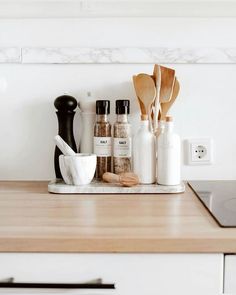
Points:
(59, 187)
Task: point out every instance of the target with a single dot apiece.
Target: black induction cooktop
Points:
(219, 197)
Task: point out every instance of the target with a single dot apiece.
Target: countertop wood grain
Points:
(32, 220)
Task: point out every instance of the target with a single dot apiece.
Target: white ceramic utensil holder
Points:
(168, 156)
(144, 154)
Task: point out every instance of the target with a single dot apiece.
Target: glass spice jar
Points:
(122, 149)
(102, 138)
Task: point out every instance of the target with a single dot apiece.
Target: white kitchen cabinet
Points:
(133, 274)
(230, 274)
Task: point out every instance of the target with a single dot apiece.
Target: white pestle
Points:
(63, 146)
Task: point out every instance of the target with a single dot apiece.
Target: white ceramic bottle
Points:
(168, 155)
(88, 116)
(144, 154)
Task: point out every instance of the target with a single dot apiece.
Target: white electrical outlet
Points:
(199, 151)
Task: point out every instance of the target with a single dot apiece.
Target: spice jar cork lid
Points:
(169, 119)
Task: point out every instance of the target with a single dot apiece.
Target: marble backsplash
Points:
(119, 55)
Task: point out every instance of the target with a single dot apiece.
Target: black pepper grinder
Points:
(65, 106)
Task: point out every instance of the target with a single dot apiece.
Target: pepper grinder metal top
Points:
(65, 106)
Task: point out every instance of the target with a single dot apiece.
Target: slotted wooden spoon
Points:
(165, 107)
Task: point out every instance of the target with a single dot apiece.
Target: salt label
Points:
(122, 147)
(102, 146)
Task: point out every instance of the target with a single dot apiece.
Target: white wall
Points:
(205, 107)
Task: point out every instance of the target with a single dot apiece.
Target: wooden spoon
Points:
(146, 91)
(165, 107)
(141, 105)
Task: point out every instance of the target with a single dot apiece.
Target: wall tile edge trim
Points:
(119, 55)
(10, 55)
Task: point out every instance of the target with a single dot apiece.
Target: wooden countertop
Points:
(32, 220)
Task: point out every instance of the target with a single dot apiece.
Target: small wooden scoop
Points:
(125, 179)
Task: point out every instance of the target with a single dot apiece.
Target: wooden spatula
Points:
(165, 107)
(167, 84)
